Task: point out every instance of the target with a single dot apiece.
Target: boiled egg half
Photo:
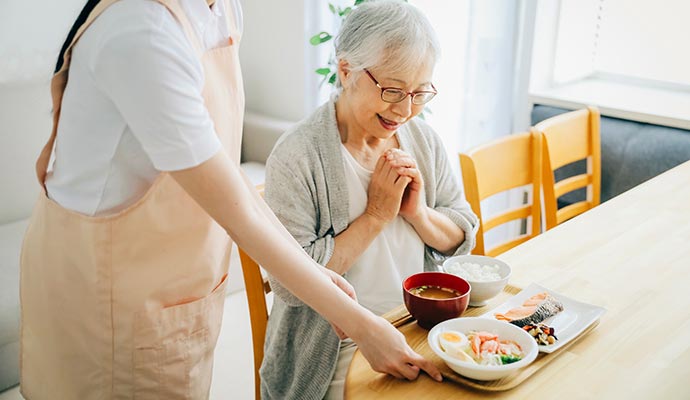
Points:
(454, 344)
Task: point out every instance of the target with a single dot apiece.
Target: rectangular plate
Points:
(568, 324)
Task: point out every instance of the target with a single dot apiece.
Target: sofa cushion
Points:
(631, 153)
(10, 244)
(260, 133)
(255, 171)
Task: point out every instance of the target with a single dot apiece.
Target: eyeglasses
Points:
(396, 95)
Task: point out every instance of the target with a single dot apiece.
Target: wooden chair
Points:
(567, 138)
(507, 163)
(257, 287)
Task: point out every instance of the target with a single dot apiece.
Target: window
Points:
(626, 56)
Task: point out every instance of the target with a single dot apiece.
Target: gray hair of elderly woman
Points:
(390, 34)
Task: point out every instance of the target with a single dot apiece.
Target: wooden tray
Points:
(417, 339)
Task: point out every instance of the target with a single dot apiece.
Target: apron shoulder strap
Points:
(233, 15)
(57, 89)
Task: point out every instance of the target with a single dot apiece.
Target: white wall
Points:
(29, 44)
(274, 57)
(25, 123)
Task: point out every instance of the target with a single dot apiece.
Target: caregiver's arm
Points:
(218, 186)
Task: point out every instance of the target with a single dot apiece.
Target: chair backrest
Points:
(567, 138)
(510, 162)
(256, 286)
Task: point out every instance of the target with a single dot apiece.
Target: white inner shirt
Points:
(133, 105)
(396, 253)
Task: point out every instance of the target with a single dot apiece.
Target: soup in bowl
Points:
(433, 297)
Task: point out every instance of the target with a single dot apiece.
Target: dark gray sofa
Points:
(631, 153)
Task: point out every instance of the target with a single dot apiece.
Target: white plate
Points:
(568, 324)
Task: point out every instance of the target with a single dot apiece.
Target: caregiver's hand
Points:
(385, 191)
(386, 350)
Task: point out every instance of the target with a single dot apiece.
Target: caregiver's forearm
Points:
(268, 212)
(219, 188)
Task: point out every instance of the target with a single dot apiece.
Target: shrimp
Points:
(486, 336)
(509, 347)
(490, 346)
(476, 344)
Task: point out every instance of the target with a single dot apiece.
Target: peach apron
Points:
(129, 306)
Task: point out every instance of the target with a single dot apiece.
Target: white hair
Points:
(390, 34)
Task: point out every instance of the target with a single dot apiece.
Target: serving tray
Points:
(417, 339)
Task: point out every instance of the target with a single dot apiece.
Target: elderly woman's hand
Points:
(412, 206)
(385, 191)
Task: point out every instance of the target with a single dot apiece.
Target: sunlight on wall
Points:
(450, 20)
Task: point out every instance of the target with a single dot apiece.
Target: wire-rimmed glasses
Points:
(396, 95)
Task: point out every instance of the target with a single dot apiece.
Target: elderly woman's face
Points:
(374, 115)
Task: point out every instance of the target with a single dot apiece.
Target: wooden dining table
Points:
(630, 255)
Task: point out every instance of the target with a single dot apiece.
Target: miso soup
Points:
(434, 292)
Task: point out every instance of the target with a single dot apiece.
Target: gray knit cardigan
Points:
(307, 190)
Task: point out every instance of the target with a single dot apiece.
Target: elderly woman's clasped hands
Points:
(396, 188)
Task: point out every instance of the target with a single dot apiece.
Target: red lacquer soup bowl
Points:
(433, 297)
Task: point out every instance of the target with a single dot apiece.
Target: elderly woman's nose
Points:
(403, 108)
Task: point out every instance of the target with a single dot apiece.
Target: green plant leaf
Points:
(323, 71)
(331, 80)
(345, 11)
(332, 8)
(320, 38)
(358, 2)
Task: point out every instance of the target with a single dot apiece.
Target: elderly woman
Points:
(366, 189)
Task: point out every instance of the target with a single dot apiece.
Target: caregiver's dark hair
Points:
(90, 4)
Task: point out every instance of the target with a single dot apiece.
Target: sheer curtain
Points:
(482, 79)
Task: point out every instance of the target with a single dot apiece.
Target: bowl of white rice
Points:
(487, 275)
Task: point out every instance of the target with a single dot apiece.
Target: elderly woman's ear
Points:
(344, 73)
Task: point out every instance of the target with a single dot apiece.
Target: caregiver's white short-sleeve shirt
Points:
(133, 105)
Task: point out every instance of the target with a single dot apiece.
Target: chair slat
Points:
(572, 210)
(510, 215)
(505, 246)
(569, 184)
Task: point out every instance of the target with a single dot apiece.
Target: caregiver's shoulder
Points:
(133, 15)
(139, 24)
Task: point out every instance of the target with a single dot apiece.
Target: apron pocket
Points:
(173, 349)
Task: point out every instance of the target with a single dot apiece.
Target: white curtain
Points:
(495, 83)
(482, 79)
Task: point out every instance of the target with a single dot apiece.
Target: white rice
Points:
(474, 272)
